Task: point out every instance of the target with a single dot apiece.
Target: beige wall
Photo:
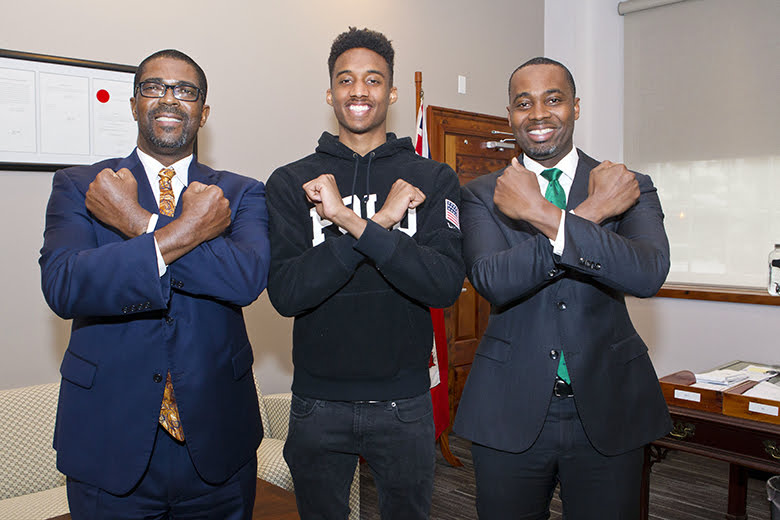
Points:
(266, 64)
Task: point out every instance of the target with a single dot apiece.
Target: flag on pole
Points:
(421, 142)
(438, 359)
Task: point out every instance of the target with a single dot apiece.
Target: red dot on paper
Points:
(103, 96)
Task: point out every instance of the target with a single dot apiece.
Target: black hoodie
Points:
(362, 326)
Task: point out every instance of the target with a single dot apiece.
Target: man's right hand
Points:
(113, 199)
(517, 195)
(324, 193)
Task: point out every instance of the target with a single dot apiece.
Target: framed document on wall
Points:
(57, 112)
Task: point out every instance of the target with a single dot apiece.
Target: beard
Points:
(542, 151)
(168, 139)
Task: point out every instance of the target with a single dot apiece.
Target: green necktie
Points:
(554, 193)
(557, 196)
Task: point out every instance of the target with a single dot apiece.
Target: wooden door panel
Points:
(457, 380)
(469, 321)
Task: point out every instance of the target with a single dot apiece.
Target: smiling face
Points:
(542, 110)
(360, 95)
(167, 126)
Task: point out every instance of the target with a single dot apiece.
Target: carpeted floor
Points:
(682, 487)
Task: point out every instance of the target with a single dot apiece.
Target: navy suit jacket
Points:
(542, 302)
(131, 326)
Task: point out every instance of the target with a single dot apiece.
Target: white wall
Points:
(681, 334)
(266, 65)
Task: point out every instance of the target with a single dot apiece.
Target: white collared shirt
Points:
(568, 165)
(179, 181)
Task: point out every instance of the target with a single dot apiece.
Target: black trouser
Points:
(593, 486)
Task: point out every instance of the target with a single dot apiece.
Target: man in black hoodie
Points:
(364, 239)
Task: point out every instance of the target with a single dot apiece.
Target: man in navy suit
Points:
(153, 257)
(561, 389)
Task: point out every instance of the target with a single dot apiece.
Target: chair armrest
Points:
(278, 408)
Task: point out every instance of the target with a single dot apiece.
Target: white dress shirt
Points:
(179, 181)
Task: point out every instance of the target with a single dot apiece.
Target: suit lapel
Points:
(145, 194)
(196, 173)
(579, 186)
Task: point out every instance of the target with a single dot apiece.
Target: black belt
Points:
(562, 389)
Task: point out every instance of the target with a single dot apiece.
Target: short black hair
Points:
(176, 55)
(540, 60)
(361, 38)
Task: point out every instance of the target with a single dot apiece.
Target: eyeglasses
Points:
(182, 92)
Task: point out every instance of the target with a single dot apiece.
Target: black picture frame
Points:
(28, 61)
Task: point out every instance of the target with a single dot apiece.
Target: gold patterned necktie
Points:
(169, 411)
(167, 199)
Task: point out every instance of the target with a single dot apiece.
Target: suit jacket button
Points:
(562, 306)
(157, 378)
(582, 261)
(168, 320)
(180, 284)
(124, 310)
(552, 272)
(597, 266)
(553, 354)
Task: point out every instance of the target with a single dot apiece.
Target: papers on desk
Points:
(722, 378)
(726, 378)
(764, 390)
(759, 373)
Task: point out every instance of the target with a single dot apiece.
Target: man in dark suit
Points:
(561, 389)
(153, 257)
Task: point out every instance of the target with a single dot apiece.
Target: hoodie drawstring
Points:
(368, 176)
(354, 179)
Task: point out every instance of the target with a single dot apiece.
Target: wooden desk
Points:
(743, 443)
(271, 503)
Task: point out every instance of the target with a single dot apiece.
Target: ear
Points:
(393, 95)
(204, 115)
(576, 108)
(329, 97)
(133, 109)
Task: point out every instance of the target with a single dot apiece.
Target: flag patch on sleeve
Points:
(452, 214)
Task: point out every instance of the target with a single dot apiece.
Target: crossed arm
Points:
(507, 231)
(207, 254)
(427, 267)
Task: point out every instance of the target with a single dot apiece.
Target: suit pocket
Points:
(242, 361)
(494, 348)
(77, 370)
(629, 348)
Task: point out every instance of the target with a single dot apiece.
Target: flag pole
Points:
(417, 91)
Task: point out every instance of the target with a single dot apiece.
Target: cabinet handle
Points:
(771, 448)
(682, 431)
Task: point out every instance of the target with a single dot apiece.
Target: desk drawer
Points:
(757, 444)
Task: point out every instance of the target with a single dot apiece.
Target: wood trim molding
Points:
(718, 293)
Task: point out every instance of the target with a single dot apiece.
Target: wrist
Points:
(589, 211)
(383, 220)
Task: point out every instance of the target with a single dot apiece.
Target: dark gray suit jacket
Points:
(541, 302)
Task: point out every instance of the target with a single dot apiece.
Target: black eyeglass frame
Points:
(139, 90)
